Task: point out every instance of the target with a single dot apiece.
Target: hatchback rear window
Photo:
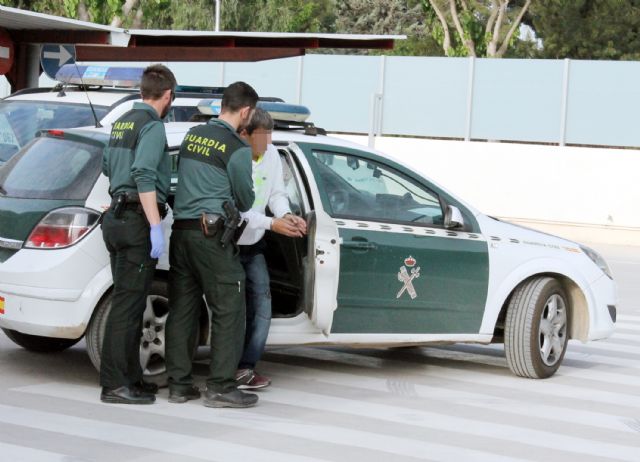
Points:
(21, 120)
(52, 168)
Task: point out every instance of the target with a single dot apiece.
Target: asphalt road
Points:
(457, 403)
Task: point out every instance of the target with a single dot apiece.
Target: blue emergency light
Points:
(127, 77)
(279, 111)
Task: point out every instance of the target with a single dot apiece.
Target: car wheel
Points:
(40, 344)
(536, 328)
(152, 341)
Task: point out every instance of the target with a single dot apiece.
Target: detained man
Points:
(269, 191)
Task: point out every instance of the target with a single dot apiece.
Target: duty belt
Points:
(123, 202)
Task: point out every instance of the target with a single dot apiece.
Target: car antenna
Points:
(84, 87)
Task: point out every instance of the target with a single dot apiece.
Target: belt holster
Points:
(118, 204)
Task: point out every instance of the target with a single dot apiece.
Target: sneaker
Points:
(244, 376)
(255, 383)
(182, 396)
(234, 398)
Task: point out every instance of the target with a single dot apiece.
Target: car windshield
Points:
(21, 120)
(52, 168)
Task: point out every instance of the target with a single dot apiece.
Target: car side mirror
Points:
(453, 218)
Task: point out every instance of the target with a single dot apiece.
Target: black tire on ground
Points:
(152, 352)
(40, 344)
(536, 328)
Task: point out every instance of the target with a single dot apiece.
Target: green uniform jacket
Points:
(137, 159)
(215, 166)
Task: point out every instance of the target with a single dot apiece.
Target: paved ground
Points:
(455, 403)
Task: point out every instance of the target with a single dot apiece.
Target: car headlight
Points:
(598, 260)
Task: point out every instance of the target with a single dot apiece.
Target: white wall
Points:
(586, 194)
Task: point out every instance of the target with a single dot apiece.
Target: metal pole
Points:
(217, 16)
(565, 102)
(380, 115)
(472, 70)
(299, 81)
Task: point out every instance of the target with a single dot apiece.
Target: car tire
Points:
(40, 344)
(152, 354)
(536, 328)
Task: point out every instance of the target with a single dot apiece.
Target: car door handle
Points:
(359, 245)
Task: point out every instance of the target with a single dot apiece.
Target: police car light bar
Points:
(127, 77)
(279, 111)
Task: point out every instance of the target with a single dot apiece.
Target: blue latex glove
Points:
(157, 241)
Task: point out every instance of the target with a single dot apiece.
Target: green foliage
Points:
(585, 29)
(397, 17)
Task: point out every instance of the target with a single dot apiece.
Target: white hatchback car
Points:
(391, 259)
(79, 102)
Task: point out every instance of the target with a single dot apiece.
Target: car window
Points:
(52, 168)
(291, 185)
(358, 188)
(181, 114)
(21, 120)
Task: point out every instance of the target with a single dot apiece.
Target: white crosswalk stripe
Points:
(14, 453)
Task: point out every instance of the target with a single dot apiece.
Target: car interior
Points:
(286, 257)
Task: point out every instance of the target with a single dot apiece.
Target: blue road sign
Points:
(53, 57)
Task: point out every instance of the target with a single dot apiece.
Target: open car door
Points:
(321, 270)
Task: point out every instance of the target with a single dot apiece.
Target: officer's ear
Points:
(245, 113)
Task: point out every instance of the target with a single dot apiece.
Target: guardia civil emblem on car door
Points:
(407, 276)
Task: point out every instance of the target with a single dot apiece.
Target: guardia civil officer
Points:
(138, 166)
(214, 185)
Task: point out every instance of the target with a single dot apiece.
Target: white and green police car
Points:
(391, 259)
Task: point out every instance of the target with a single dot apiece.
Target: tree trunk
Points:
(446, 45)
(468, 42)
(83, 13)
(514, 26)
(492, 46)
(127, 7)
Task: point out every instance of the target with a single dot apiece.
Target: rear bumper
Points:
(53, 293)
(58, 314)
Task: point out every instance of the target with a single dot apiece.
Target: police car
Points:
(84, 96)
(391, 258)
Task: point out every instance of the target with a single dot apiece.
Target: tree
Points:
(396, 17)
(278, 15)
(476, 27)
(584, 29)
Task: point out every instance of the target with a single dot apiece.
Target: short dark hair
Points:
(156, 79)
(261, 119)
(238, 95)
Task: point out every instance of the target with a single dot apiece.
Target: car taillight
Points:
(62, 228)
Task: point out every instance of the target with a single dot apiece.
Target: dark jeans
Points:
(258, 303)
(127, 240)
(200, 265)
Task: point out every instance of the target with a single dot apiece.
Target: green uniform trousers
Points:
(127, 240)
(200, 265)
